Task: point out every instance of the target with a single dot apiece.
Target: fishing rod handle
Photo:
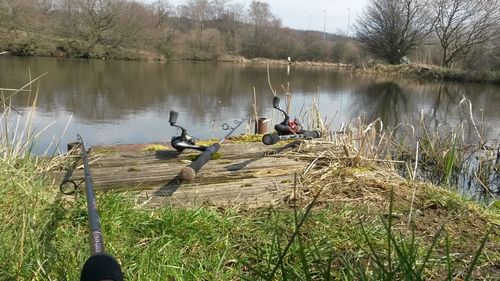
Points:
(96, 241)
(270, 139)
(312, 134)
(101, 266)
(189, 172)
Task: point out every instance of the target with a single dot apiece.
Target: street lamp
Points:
(348, 18)
(324, 26)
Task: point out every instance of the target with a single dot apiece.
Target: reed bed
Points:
(457, 157)
(429, 72)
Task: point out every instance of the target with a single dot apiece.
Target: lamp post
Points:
(348, 18)
(324, 26)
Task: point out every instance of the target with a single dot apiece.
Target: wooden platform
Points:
(249, 173)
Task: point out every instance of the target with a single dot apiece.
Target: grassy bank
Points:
(413, 71)
(363, 223)
(429, 72)
(21, 43)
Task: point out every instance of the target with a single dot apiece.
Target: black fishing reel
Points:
(287, 129)
(185, 140)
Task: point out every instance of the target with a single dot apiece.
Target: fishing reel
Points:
(287, 126)
(185, 140)
(287, 129)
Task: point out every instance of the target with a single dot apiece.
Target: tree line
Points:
(452, 33)
(196, 29)
(462, 33)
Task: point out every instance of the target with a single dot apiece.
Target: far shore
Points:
(410, 71)
(413, 71)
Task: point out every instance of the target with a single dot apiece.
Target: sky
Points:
(310, 14)
(299, 14)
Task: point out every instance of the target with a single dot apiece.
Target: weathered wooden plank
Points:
(103, 158)
(215, 170)
(243, 174)
(245, 191)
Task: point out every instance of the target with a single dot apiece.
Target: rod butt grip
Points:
(188, 173)
(101, 266)
(312, 134)
(269, 139)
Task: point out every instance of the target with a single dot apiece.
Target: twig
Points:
(313, 162)
(483, 185)
(269, 80)
(12, 90)
(416, 162)
(255, 111)
(28, 84)
(465, 99)
(414, 186)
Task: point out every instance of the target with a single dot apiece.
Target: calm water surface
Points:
(112, 102)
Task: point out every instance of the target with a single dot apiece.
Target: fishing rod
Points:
(287, 129)
(185, 140)
(100, 265)
(189, 172)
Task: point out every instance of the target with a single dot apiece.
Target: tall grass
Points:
(456, 156)
(44, 237)
(17, 135)
(371, 249)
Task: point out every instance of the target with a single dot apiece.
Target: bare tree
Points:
(262, 30)
(259, 13)
(88, 23)
(13, 13)
(69, 21)
(162, 11)
(218, 8)
(199, 12)
(99, 18)
(133, 25)
(196, 10)
(463, 25)
(228, 23)
(163, 31)
(45, 6)
(391, 29)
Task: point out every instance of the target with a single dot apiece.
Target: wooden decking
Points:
(249, 173)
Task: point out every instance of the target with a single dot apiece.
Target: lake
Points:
(113, 102)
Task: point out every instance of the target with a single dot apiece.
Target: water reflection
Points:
(386, 100)
(128, 102)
